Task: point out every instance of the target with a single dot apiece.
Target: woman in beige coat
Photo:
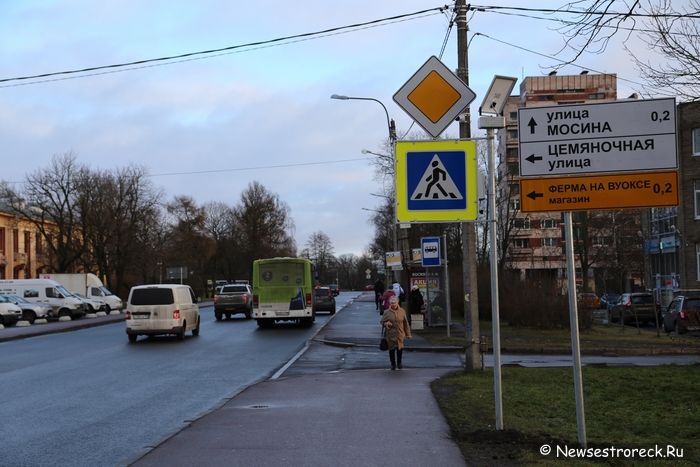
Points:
(396, 329)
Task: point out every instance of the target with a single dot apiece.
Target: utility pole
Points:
(472, 360)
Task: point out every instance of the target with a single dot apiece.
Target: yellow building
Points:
(23, 252)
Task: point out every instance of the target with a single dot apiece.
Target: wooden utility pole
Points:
(472, 358)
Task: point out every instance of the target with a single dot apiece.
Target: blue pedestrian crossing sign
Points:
(436, 181)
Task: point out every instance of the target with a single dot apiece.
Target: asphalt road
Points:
(88, 398)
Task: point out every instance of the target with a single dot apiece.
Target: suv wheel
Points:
(181, 334)
(30, 316)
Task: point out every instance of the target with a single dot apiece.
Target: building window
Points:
(697, 259)
(2, 240)
(15, 240)
(522, 223)
(549, 241)
(513, 134)
(515, 204)
(514, 115)
(514, 189)
(513, 168)
(696, 187)
(696, 141)
(549, 224)
(521, 242)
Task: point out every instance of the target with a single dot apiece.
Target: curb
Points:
(440, 348)
(42, 330)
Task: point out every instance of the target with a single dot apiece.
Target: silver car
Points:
(30, 311)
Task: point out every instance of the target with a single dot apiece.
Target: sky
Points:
(206, 128)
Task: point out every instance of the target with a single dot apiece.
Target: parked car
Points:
(93, 304)
(588, 300)
(161, 309)
(335, 290)
(232, 299)
(608, 300)
(683, 314)
(639, 306)
(9, 312)
(30, 311)
(324, 300)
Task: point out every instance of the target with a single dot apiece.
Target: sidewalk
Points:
(341, 418)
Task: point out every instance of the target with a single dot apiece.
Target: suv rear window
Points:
(153, 296)
(323, 292)
(234, 288)
(642, 299)
(692, 304)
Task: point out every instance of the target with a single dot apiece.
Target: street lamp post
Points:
(391, 126)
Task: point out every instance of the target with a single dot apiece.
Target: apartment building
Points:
(534, 246)
(675, 243)
(22, 248)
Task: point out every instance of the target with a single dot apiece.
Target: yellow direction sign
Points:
(640, 190)
(434, 96)
(436, 181)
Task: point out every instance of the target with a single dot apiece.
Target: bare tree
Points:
(320, 250)
(674, 36)
(668, 30)
(51, 200)
(263, 226)
(118, 210)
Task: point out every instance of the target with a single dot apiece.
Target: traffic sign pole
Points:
(573, 320)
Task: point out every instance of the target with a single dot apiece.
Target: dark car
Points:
(335, 290)
(324, 300)
(683, 314)
(634, 307)
(232, 299)
(608, 300)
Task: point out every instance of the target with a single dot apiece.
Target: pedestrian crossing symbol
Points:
(436, 181)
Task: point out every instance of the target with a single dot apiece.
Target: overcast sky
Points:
(253, 109)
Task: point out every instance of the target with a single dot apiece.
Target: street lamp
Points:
(392, 141)
(389, 122)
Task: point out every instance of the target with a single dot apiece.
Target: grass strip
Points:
(625, 407)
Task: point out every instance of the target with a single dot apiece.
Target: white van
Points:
(48, 292)
(161, 309)
(88, 285)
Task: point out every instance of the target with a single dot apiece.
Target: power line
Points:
(584, 12)
(574, 23)
(560, 60)
(283, 39)
(240, 169)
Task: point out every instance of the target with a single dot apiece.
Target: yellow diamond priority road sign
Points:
(434, 96)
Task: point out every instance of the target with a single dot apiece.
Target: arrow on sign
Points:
(532, 158)
(532, 124)
(534, 195)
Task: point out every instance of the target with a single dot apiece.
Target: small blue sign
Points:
(430, 248)
(436, 180)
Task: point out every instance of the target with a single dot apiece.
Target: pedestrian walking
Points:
(398, 291)
(396, 329)
(378, 291)
(386, 296)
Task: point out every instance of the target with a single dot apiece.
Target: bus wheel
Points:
(306, 322)
(265, 323)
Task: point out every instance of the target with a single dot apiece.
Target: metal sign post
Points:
(573, 318)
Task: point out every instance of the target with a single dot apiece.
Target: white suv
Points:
(161, 309)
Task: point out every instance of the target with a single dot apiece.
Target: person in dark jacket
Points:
(415, 302)
(378, 292)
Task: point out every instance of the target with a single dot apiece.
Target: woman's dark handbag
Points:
(383, 344)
